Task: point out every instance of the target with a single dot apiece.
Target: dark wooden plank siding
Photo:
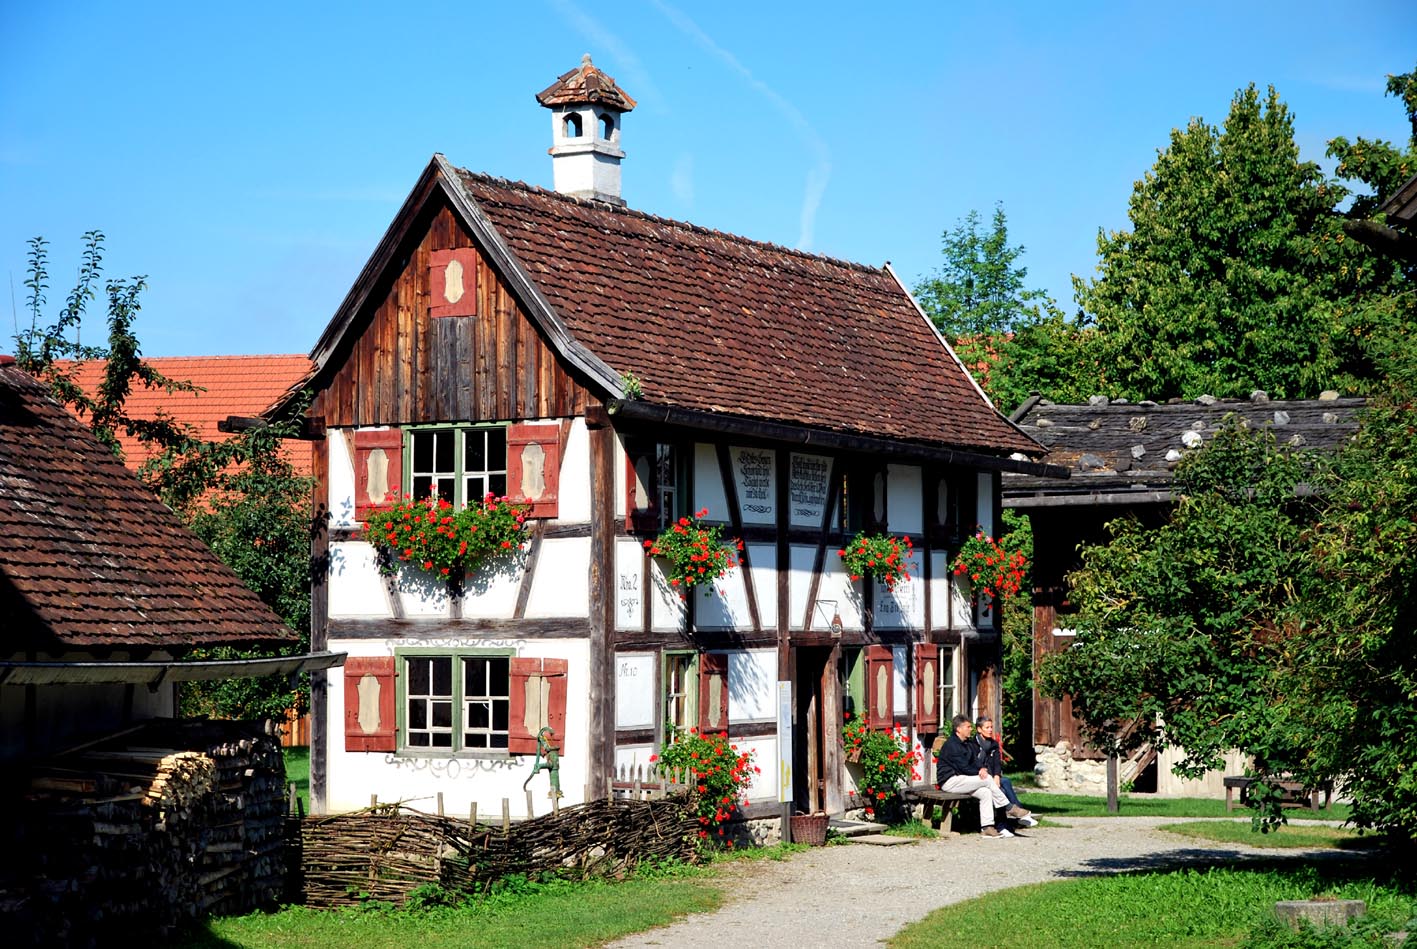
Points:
(405, 368)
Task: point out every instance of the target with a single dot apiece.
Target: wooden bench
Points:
(1292, 793)
(936, 806)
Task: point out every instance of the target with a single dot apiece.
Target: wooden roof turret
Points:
(586, 85)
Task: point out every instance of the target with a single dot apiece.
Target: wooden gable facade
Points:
(488, 345)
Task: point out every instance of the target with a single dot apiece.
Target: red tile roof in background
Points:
(90, 557)
(235, 385)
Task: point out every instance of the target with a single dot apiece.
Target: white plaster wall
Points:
(836, 593)
(667, 610)
(962, 617)
(416, 780)
(494, 595)
(573, 505)
(635, 690)
(617, 468)
(904, 505)
(356, 588)
(940, 589)
(561, 584)
(752, 686)
(421, 594)
(903, 607)
(708, 484)
(984, 508)
(341, 479)
(629, 579)
(763, 558)
(723, 604)
(764, 751)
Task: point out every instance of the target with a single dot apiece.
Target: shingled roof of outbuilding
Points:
(91, 557)
(712, 322)
(1120, 452)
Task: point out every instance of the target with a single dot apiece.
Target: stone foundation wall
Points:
(1058, 770)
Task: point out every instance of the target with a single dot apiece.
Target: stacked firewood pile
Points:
(147, 832)
(386, 852)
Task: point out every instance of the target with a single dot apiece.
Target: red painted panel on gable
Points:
(452, 282)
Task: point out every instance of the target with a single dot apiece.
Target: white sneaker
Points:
(1028, 822)
(1005, 832)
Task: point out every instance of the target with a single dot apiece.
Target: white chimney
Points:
(586, 106)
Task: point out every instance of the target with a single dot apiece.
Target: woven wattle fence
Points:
(387, 851)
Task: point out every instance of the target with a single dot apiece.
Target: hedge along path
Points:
(859, 896)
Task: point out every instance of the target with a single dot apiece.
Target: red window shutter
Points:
(452, 282)
(370, 704)
(378, 469)
(713, 692)
(538, 699)
(641, 493)
(534, 466)
(927, 687)
(880, 667)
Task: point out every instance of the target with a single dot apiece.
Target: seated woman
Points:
(960, 771)
(991, 754)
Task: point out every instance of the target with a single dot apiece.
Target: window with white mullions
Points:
(484, 463)
(679, 686)
(667, 482)
(435, 469)
(486, 702)
(429, 702)
(458, 464)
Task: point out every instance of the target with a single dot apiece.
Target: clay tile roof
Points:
(585, 84)
(233, 385)
(714, 322)
(91, 557)
(1121, 449)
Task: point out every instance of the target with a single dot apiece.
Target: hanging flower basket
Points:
(694, 554)
(880, 556)
(991, 568)
(447, 542)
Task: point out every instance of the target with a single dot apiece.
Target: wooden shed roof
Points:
(585, 83)
(91, 558)
(709, 322)
(1123, 452)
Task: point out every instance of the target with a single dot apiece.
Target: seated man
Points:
(961, 772)
(991, 754)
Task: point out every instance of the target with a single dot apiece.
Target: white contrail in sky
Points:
(635, 76)
(820, 172)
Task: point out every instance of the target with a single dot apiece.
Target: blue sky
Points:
(247, 157)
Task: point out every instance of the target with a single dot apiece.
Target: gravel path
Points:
(804, 900)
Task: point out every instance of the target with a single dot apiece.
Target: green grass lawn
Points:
(297, 769)
(1133, 805)
(1294, 836)
(1220, 907)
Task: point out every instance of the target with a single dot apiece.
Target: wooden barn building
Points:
(1121, 457)
(622, 370)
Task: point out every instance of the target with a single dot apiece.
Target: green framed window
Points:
(949, 692)
(454, 700)
(681, 691)
(457, 463)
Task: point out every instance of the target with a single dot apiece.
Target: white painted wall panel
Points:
(764, 751)
(574, 490)
(561, 584)
(708, 484)
(666, 608)
(763, 558)
(985, 507)
(493, 595)
(837, 593)
(356, 588)
(904, 506)
(941, 590)
(724, 604)
(752, 685)
(629, 579)
(421, 594)
(634, 690)
(898, 693)
(903, 607)
(341, 478)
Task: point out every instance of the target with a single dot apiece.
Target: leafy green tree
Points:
(1178, 627)
(1011, 338)
(51, 350)
(1236, 273)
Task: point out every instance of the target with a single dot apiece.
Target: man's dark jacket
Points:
(957, 757)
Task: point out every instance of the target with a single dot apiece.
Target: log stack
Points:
(145, 833)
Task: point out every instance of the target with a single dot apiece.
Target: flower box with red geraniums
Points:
(886, 761)
(447, 542)
(881, 556)
(695, 555)
(991, 568)
(718, 775)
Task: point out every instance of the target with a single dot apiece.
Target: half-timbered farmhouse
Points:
(1122, 457)
(620, 370)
